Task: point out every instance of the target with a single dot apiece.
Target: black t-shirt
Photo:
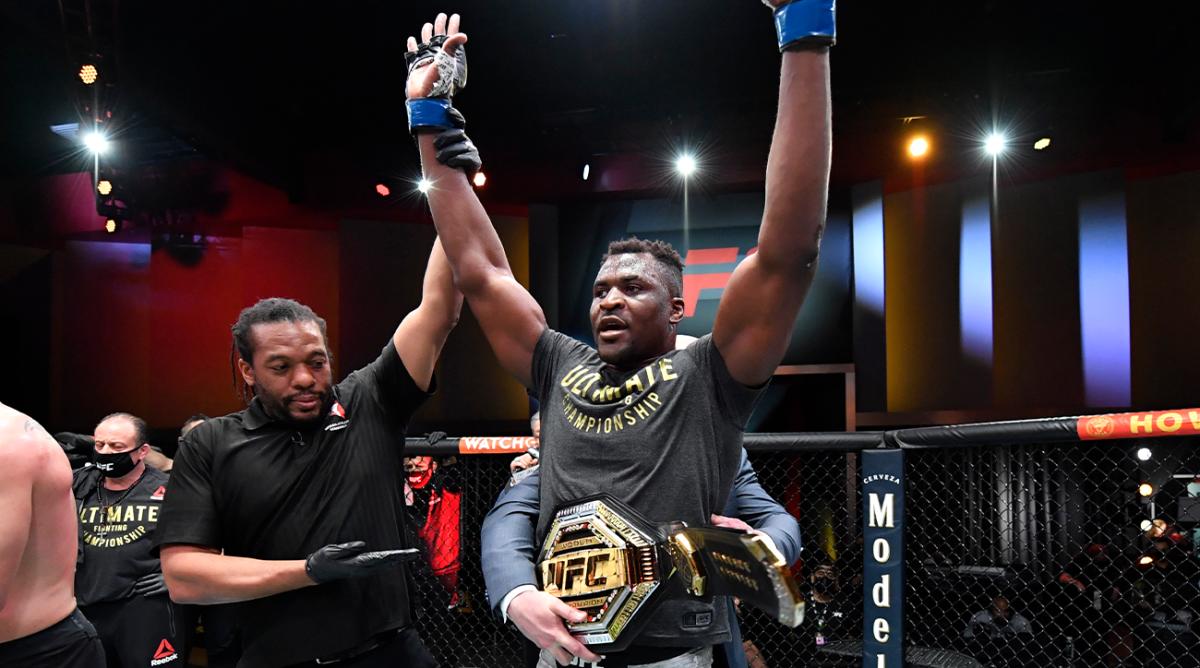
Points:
(257, 488)
(117, 536)
(666, 439)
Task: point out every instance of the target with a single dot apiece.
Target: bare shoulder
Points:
(23, 442)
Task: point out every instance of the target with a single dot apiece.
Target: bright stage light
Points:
(96, 142)
(1146, 489)
(587, 171)
(88, 74)
(1143, 454)
(995, 143)
(424, 185)
(1041, 144)
(104, 187)
(685, 165)
(383, 190)
(480, 179)
(918, 147)
(111, 226)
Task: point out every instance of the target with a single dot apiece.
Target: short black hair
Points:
(664, 253)
(266, 311)
(198, 417)
(139, 426)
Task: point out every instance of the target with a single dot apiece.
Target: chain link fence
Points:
(1018, 555)
(1056, 555)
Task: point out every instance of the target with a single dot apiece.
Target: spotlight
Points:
(480, 179)
(424, 185)
(1145, 560)
(96, 142)
(104, 187)
(111, 226)
(994, 144)
(685, 165)
(1146, 525)
(587, 171)
(918, 147)
(1041, 144)
(88, 74)
(1146, 489)
(1143, 454)
(383, 190)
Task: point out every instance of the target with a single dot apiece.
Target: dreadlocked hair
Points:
(266, 311)
(663, 253)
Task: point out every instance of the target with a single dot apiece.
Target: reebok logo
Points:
(337, 418)
(165, 654)
(158, 493)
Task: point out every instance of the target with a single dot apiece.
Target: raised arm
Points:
(422, 334)
(510, 317)
(756, 313)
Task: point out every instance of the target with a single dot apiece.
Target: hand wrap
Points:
(805, 24)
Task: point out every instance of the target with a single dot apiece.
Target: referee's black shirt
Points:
(254, 487)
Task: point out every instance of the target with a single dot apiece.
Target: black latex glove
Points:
(455, 149)
(352, 560)
(150, 585)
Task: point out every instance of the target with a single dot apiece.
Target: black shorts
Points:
(71, 643)
(146, 632)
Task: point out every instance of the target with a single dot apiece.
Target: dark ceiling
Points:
(286, 91)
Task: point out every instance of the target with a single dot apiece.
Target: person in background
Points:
(119, 581)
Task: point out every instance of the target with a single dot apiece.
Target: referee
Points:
(294, 507)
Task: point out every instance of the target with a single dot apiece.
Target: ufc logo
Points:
(693, 284)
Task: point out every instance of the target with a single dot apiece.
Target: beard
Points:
(278, 408)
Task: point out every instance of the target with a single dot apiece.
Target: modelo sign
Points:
(883, 560)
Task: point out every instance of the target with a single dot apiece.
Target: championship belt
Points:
(604, 558)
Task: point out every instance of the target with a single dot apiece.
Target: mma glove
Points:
(434, 112)
(352, 560)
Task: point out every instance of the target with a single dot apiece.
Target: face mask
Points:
(115, 464)
(822, 586)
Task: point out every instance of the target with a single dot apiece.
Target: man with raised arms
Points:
(657, 427)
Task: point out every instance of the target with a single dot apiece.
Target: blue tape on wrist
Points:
(429, 112)
(806, 24)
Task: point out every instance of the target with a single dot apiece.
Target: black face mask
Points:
(114, 464)
(822, 586)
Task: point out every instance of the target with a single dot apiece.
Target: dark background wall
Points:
(95, 323)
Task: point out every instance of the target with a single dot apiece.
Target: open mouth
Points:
(610, 328)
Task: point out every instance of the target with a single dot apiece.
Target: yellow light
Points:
(110, 226)
(88, 74)
(1145, 489)
(104, 187)
(480, 179)
(1041, 144)
(918, 147)
(1145, 560)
